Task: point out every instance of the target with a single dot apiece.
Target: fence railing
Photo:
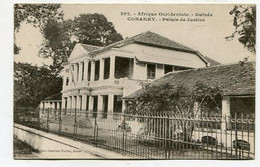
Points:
(158, 136)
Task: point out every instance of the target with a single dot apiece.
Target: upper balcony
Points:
(109, 71)
(112, 71)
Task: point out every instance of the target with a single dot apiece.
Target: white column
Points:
(92, 76)
(90, 104)
(75, 72)
(110, 105)
(41, 105)
(72, 102)
(69, 108)
(159, 70)
(86, 70)
(78, 102)
(84, 100)
(123, 106)
(80, 71)
(101, 69)
(112, 67)
(196, 109)
(84, 105)
(47, 105)
(69, 103)
(70, 74)
(100, 105)
(63, 103)
(53, 105)
(64, 82)
(225, 111)
(41, 109)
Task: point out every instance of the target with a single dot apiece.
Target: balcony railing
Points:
(104, 82)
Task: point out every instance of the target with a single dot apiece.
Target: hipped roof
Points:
(233, 79)
(150, 39)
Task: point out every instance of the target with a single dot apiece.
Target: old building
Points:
(96, 78)
(236, 81)
(237, 105)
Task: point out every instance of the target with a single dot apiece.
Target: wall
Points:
(176, 57)
(159, 71)
(140, 72)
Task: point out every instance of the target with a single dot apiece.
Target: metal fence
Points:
(160, 136)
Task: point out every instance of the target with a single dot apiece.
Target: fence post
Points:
(60, 121)
(55, 110)
(124, 127)
(75, 122)
(236, 145)
(48, 115)
(96, 132)
(165, 137)
(39, 119)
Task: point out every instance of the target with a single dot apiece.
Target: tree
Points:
(61, 37)
(35, 14)
(95, 29)
(245, 26)
(32, 84)
(57, 42)
(166, 100)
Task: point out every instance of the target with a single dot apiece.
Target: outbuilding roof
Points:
(233, 79)
(56, 96)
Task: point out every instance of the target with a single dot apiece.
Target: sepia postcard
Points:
(134, 81)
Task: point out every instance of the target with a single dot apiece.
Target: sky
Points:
(207, 37)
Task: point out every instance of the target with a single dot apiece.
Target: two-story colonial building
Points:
(96, 78)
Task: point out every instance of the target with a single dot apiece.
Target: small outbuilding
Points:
(236, 81)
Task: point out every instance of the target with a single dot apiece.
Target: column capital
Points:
(86, 61)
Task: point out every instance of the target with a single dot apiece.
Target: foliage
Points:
(57, 42)
(175, 98)
(32, 84)
(95, 29)
(35, 14)
(245, 26)
(166, 99)
(61, 37)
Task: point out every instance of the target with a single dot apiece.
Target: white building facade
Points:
(96, 78)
